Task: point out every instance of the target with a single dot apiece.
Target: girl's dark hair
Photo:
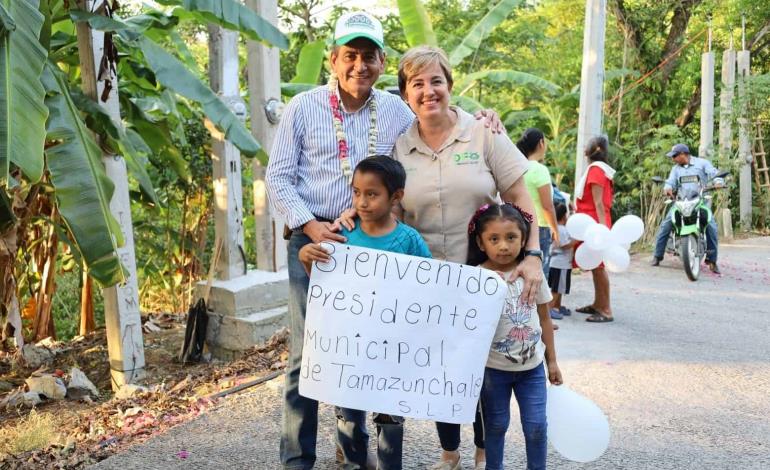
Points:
(487, 214)
(596, 149)
(529, 141)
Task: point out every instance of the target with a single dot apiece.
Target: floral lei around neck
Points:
(342, 142)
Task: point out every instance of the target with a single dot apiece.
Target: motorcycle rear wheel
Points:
(690, 256)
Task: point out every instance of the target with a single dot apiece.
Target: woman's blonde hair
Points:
(419, 58)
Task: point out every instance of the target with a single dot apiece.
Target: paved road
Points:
(683, 375)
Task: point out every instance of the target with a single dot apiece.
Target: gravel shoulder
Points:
(683, 375)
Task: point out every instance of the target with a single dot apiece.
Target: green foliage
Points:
(173, 74)
(417, 25)
(311, 58)
(22, 112)
(83, 190)
(481, 30)
(234, 15)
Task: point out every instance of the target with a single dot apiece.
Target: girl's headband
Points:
(472, 224)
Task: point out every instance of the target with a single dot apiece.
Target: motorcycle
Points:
(690, 216)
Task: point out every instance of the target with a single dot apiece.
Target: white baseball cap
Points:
(358, 24)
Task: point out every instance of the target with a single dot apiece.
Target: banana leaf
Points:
(512, 77)
(291, 89)
(22, 108)
(173, 74)
(231, 14)
(481, 30)
(311, 59)
(468, 104)
(417, 26)
(116, 136)
(82, 188)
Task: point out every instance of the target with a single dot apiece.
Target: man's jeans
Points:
(300, 414)
(354, 440)
(545, 247)
(712, 241)
(529, 388)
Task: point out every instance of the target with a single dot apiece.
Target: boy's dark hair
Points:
(561, 211)
(390, 171)
(529, 141)
(482, 217)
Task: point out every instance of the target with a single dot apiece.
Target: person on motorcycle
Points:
(687, 165)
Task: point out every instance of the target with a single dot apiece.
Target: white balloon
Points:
(587, 258)
(577, 428)
(627, 229)
(597, 237)
(616, 258)
(577, 225)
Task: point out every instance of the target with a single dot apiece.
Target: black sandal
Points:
(589, 309)
(599, 318)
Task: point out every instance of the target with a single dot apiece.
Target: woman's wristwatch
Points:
(536, 253)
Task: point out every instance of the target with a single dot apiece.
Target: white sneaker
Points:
(444, 465)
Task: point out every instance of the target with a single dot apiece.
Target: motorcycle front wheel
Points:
(690, 256)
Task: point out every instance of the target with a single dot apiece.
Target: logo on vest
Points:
(359, 21)
(466, 158)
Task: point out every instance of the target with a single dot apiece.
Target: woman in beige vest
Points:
(454, 165)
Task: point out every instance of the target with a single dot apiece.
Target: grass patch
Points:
(35, 431)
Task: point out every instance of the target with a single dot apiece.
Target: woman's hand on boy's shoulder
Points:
(347, 219)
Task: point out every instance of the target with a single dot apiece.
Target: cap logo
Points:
(360, 21)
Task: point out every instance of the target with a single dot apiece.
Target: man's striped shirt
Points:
(304, 177)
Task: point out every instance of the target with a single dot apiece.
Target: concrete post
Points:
(591, 81)
(266, 108)
(744, 141)
(121, 302)
(726, 105)
(226, 159)
(706, 147)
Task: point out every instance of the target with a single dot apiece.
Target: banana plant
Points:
(47, 127)
(418, 29)
(23, 112)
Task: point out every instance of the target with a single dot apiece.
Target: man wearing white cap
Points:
(322, 136)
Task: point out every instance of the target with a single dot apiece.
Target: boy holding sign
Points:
(378, 185)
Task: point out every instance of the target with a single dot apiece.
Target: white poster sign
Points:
(398, 334)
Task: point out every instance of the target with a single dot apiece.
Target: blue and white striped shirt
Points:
(304, 178)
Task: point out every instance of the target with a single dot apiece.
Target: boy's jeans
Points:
(354, 440)
(529, 389)
(300, 414)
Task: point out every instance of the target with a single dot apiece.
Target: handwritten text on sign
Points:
(398, 334)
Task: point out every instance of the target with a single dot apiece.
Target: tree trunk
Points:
(688, 113)
(43, 325)
(87, 323)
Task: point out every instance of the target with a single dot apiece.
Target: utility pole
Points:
(705, 149)
(121, 302)
(247, 307)
(726, 104)
(591, 81)
(744, 129)
(226, 159)
(266, 110)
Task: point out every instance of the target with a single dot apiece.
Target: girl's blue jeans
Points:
(529, 388)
